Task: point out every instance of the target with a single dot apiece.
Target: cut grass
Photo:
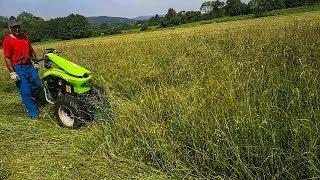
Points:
(43, 150)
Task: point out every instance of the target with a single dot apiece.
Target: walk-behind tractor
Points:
(69, 87)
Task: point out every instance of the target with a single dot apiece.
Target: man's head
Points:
(14, 25)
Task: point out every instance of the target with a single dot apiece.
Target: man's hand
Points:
(14, 77)
(36, 66)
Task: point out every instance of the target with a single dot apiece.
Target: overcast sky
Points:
(120, 8)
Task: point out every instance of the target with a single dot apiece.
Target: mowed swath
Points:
(236, 99)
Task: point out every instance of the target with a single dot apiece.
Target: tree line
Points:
(222, 9)
(77, 26)
(73, 26)
(37, 29)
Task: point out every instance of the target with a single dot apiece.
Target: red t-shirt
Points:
(17, 48)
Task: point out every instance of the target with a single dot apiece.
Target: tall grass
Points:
(231, 100)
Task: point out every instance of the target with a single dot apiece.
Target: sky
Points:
(118, 8)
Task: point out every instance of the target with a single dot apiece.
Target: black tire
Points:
(70, 111)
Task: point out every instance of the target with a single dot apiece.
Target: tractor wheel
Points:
(70, 111)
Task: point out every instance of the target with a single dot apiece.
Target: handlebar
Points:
(38, 60)
(52, 50)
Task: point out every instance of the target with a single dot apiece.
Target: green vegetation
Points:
(288, 11)
(235, 100)
(229, 10)
(293, 10)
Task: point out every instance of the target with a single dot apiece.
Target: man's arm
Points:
(9, 64)
(7, 53)
(14, 75)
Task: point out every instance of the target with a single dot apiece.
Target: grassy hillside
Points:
(233, 100)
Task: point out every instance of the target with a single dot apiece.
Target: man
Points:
(18, 53)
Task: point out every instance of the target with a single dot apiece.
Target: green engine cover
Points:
(68, 66)
(77, 76)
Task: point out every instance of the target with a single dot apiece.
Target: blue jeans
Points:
(29, 88)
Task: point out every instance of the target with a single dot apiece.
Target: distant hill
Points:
(98, 20)
(142, 18)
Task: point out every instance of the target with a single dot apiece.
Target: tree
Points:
(216, 5)
(3, 33)
(32, 26)
(279, 4)
(27, 16)
(171, 19)
(34, 29)
(104, 26)
(262, 6)
(253, 4)
(70, 27)
(171, 14)
(3, 28)
(295, 3)
(217, 9)
(245, 8)
(156, 17)
(144, 27)
(234, 7)
(208, 3)
(291, 3)
(3, 22)
(270, 5)
(78, 26)
(154, 21)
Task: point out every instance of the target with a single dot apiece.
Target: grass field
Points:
(233, 100)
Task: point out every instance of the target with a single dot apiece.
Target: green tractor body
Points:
(69, 87)
(77, 76)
